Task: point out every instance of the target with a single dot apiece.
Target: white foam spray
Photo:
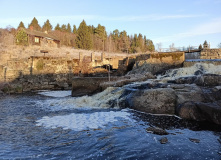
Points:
(83, 121)
(55, 93)
(190, 71)
(97, 101)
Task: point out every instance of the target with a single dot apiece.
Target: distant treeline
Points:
(95, 38)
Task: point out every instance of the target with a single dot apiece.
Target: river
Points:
(54, 125)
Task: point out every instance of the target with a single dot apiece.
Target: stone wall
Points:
(210, 54)
(158, 62)
(42, 72)
(189, 63)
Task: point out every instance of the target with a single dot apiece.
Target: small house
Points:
(41, 38)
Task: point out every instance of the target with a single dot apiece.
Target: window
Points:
(36, 39)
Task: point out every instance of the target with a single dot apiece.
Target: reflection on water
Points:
(30, 131)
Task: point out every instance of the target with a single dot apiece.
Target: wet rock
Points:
(209, 80)
(200, 79)
(128, 79)
(164, 140)
(157, 130)
(186, 80)
(211, 111)
(194, 140)
(157, 101)
(190, 111)
(198, 72)
(189, 93)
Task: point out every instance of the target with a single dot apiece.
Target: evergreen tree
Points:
(205, 43)
(57, 27)
(115, 35)
(140, 42)
(83, 39)
(100, 32)
(91, 29)
(74, 29)
(123, 42)
(47, 26)
(69, 28)
(21, 25)
(63, 28)
(200, 47)
(21, 37)
(150, 45)
(134, 44)
(35, 25)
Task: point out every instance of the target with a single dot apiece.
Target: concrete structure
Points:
(212, 56)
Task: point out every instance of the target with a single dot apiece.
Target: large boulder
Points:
(188, 93)
(190, 111)
(211, 111)
(200, 80)
(209, 80)
(157, 101)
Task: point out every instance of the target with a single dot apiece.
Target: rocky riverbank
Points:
(193, 97)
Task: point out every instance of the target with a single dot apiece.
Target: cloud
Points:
(212, 27)
(152, 17)
(71, 18)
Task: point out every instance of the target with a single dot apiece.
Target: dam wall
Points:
(47, 72)
(158, 62)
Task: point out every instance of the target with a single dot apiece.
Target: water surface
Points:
(46, 125)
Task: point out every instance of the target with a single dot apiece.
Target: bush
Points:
(40, 65)
(22, 38)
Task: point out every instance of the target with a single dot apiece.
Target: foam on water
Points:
(83, 121)
(55, 93)
(98, 101)
(190, 71)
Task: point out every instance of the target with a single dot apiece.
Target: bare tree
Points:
(219, 45)
(159, 46)
(172, 47)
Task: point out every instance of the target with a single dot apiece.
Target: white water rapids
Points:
(81, 121)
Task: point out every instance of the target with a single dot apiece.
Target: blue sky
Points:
(182, 22)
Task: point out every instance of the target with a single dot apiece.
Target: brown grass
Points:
(8, 52)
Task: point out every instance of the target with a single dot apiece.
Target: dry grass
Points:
(20, 52)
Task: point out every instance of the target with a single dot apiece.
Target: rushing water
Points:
(53, 125)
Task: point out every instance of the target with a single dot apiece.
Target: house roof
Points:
(40, 34)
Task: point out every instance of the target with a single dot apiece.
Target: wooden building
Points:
(41, 38)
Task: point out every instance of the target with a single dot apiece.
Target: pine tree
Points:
(200, 47)
(74, 29)
(63, 28)
(69, 28)
(115, 35)
(21, 25)
(205, 44)
(100, 32)
(47, 26)
(83, 39)
(21, 37)
(123, 41)
(35, 25)
(57, 27)
(150, 46)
